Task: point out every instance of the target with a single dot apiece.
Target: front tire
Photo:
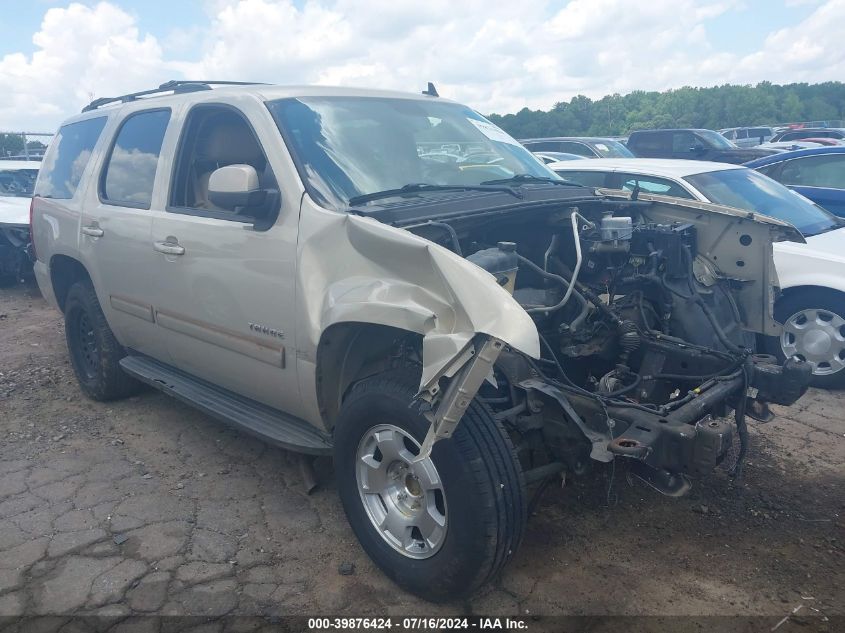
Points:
(442, 527)
(94, 351)
(814, 331)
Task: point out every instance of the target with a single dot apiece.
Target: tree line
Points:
(713, 108)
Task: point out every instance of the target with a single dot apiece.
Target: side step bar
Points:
(269, 424)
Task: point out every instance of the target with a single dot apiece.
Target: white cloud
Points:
(81, 51)
(495, 56)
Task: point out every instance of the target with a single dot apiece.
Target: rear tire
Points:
(94, 351)
(814, 330)
(480, 502)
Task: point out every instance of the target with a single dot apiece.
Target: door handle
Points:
(169, 248)
(92, 231)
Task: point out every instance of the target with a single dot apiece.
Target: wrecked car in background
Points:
(300, 263)
(17, 180)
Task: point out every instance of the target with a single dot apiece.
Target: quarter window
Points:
(69, 153)
(130, 171)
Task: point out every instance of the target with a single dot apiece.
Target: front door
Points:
(226, 283)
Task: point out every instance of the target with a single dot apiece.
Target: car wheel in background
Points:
(440, 527)
(813, 331)
(94, 352)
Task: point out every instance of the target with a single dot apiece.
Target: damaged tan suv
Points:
(393, 280)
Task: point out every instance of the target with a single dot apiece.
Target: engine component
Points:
(615, 234)
(502, 262)
(629, 336)
(781, 384)
(669, 242)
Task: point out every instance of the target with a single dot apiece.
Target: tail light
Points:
(32, 252)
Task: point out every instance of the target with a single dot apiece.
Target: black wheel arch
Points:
(64, 272)
(351, 351)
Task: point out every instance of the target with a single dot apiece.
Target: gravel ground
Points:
(147, 506)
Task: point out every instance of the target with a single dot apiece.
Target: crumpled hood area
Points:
(357, 269)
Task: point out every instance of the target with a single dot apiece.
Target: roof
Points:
(812, 129)
(744, 127)
(184, 89)
(666, 167)
(585, 139)
(798, 153)
(670, 129)
(13, 165)
(164, 97)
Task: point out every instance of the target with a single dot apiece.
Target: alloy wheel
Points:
(404, 500)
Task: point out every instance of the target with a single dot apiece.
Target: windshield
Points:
(612, 149)
(17, 183)
(715, 140)
(746, 189)
(347, 147)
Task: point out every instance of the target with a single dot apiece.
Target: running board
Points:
(267, 423)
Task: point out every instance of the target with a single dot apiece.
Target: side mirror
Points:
(235, 186)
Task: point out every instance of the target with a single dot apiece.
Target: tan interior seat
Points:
(224, 141)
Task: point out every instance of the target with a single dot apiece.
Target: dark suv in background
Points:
(587, 146)
(691, 144)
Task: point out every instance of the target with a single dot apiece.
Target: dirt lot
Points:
(147, 506)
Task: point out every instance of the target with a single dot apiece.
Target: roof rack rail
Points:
(176, 87)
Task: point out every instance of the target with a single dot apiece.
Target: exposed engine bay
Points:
(647, 338)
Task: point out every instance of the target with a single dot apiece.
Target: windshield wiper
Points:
(526, 178)
(416, 187)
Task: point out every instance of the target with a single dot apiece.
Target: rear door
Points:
(225, 305)
(116, 224)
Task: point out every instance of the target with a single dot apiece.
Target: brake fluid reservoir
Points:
(500, 261)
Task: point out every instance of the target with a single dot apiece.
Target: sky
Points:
(494, 55)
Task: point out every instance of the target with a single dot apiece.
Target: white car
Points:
(17, 179)
(789, 146)
(812, 275)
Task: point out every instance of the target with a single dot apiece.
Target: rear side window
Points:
(651, 142)
(579, 149)
(67, 158)
(684, 142)
(543, 146)
(770, 170)
(586, 178)
(130, 170)
(652, 184)
(815, 171)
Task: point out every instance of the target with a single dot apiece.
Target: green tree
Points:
(714, 108)
(11, 144)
